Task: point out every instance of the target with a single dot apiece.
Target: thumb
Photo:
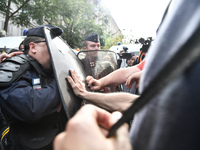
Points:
(115, 116)
(121, 138)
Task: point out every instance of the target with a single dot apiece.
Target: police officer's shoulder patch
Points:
(36, 83)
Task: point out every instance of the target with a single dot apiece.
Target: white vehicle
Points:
(10, 42)
(135, 48)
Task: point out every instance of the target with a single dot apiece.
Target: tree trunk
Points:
(7, 16)
(10, 15)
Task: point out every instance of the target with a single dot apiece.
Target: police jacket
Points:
(29, 106)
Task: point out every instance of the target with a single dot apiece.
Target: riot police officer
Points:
(29, 99)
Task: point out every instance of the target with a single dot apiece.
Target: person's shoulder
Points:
(12, 69)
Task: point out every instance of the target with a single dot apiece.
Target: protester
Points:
(129, 63)
(118, 101)
(31, 104)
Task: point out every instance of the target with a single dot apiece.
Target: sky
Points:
(137, 17)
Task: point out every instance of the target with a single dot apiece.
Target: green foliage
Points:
(75, 17)
(112, 40)
(3, 6)
(27, 11)
(79, 21)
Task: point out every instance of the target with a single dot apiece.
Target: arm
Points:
(113, 79)
(111, 101)
(92, 116)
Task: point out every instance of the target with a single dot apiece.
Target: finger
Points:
(15, 53)
(131, 84)
(104, 131)
(74, 76)
(77, 76)
(127, 84)
(71, 81)
(115, 117)
(109, 123)
(91, 82)
(4, 55)
(88, 78)
(94, 88)
(136, 85)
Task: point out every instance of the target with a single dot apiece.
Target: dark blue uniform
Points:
(24, 103)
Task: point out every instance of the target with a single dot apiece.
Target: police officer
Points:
(92, 42)
(31, 103)
(94, 63)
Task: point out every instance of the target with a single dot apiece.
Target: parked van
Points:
(135, 48)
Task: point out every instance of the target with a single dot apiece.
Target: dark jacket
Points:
(28, 107)
(170, 121)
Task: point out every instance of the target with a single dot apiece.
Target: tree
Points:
(78, 21)
(112, 40)
(22, 12)
(77, 18)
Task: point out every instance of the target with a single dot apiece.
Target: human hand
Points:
(83, 132)
(133, 78)
(94, 84)
(15, 53)
(76, 83)
(4, 55)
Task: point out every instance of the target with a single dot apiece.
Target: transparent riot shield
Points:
(99, 63)
(64, 59)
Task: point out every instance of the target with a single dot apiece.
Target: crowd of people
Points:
(36, 91)
(31, 104)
